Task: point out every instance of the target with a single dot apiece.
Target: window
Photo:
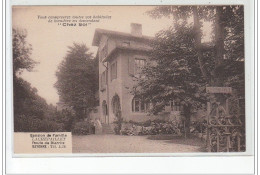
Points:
(113, 71)
(103, 81)
(135, 66)
(139, 64)
(139, 105)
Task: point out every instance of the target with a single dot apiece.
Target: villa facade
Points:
(121, 57)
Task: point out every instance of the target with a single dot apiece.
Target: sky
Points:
(50, 41)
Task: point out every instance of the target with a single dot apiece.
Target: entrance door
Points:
(105, 112)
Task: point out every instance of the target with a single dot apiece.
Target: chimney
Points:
(136, 29)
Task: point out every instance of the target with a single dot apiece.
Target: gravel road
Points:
(134, 144)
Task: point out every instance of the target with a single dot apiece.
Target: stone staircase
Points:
(106, 129)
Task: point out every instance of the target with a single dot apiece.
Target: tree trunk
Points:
(219, 49)
(197, 38)
(215, 77)
(218, 75)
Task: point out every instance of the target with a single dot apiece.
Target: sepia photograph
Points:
(128, 79)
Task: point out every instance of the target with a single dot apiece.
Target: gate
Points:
(224, 131)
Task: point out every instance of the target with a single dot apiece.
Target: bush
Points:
(32, 124)
(158, 126)
(83, 128)
(198, 127)
(118, 122)
(145, 124)
(152, 128)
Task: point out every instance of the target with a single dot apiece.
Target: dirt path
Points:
(133, 144)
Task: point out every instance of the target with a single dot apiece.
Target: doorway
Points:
(105, 112)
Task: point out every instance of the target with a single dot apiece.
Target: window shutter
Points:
(131, 66)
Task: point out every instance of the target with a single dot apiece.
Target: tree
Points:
(78, 79)
(227, 37)
(21, 52)
(27, 101)
(31, 112)
(173, 72)
(183, 66)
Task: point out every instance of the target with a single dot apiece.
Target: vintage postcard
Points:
(129, 79)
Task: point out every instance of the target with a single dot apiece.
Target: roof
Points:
(100, 32)
(128, 48)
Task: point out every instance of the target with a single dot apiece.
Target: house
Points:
(121, 57)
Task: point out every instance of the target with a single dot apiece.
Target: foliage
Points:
(227, 24)
(78, 79)
(21, 52)
(31, 112)
(26, 100)
(24, 123)
(173, 71)
(82, 128)
(198, 126)
(158, 127)
(65, 117)
(154, 127)
(181, 66)
(118, 122)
